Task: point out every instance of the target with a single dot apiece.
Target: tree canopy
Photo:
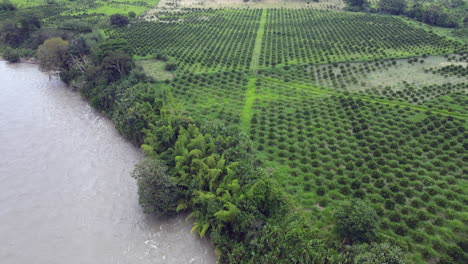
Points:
(156, 192)
(119, 20)
(356, 221)
(394, 7)
(53, 54)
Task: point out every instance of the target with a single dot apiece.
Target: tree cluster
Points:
(6, 5)
(119, 20)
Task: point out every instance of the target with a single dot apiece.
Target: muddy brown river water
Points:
(66, 195)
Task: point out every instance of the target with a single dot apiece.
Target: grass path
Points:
(422, 108)
(258, 43)
(247, 113)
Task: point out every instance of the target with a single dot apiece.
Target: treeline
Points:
(450, 14)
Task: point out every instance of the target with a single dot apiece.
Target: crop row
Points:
(211, 96)
(424, 95)
(315, 36)
(409, 80)
(212, 40)
(335, 147)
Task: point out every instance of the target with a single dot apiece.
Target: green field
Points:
(387, 130)
(338, 105)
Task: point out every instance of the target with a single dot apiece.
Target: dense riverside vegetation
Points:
(289, 135)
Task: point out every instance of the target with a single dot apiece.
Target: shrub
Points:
(380, 253)
(412, 222)
(6, 5)
(119, 20)
(171, 65)
(356, 221)
(156, 192)
(11, 55)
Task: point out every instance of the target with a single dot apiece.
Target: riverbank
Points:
(22, 60)
(66, 189)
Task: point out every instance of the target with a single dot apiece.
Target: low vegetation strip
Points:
(247, 113)
(258, 43)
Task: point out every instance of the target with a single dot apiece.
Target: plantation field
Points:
(181, 4)
(338, 105)
(410, 164)
(310, 36)
(212, 96)
(91, 11)
(216, 40)
(200, 40)
(408, 160)
(395, 74)
(390, 131)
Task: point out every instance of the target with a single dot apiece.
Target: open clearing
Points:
(156, 69)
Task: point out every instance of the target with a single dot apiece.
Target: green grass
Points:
(258, 43)
(246, 115)
(155, 69)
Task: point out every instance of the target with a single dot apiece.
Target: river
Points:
(66, 195)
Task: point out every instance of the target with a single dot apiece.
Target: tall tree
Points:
(119, 20)
(157, 193)
(53, 55)
(356, 221)
(394, 7)
(117, 64)
(357, 3)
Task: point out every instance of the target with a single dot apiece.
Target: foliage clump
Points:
(11, 55)
(356, 221)
(119, 20)
(157, 193)
(378, 253)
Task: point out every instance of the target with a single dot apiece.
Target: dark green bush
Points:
(11, 55)
(157, 193)
(356, 221)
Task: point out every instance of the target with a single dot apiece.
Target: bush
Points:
(119, 20)
(356, 221)
(380, 253)
(156, 192)
(6, 5)
(11, 55)
(171, 65)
